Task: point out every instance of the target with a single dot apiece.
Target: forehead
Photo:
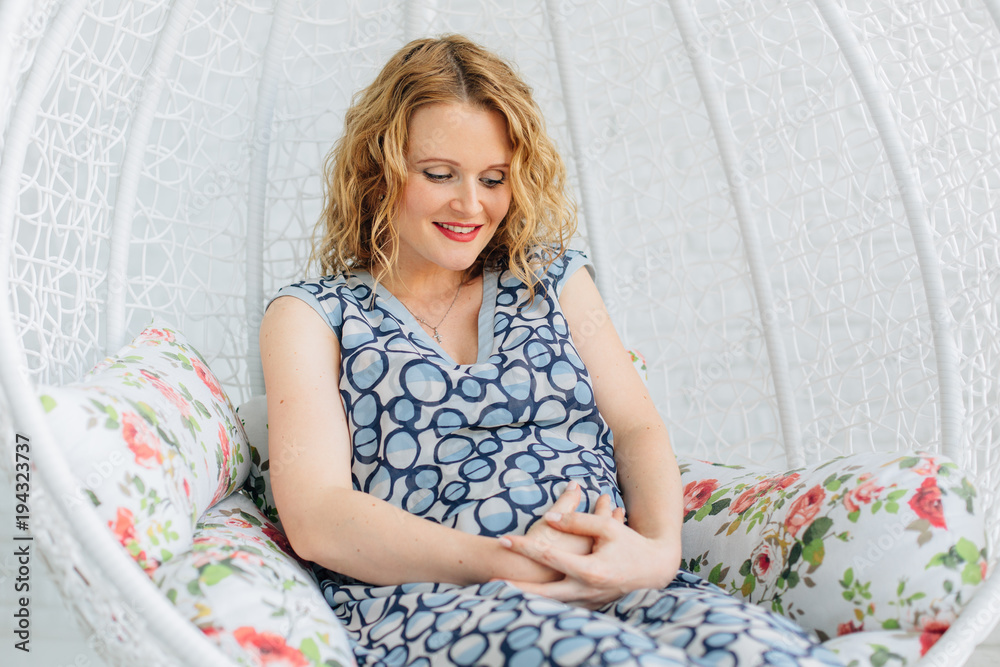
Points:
(457, 127)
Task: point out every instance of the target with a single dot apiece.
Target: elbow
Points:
(311, 533)
(301, 541)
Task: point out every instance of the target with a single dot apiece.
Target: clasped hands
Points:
(599, 558)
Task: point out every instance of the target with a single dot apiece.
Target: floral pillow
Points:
(253, 414)
(154, 441)
(886, 542)
(244, 587)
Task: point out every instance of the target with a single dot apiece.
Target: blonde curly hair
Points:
(366, 171)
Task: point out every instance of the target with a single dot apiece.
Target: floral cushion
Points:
(242, 584)
(154, 441)
(889, 546)
(253, 414)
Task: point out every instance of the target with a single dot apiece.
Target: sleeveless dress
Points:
(487, 448)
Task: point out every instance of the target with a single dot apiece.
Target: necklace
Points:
(436, 335)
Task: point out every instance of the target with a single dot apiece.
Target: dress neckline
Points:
(487, 312)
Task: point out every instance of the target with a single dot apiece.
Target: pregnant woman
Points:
(469, 457)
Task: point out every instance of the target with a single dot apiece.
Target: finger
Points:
(619, 514)
(568, 501)
(603, 505)
(564, 590)
(578, 523)
(543, 552)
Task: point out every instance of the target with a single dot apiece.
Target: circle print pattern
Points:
(486, 448)
(497, 624)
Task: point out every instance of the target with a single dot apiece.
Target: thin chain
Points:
(435, 327)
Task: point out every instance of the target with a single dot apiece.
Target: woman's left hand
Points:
(621, 561)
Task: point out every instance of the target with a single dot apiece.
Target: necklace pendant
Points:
(437, 336)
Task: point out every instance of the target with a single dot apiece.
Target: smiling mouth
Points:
(458, 229)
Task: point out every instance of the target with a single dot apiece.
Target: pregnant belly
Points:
(512, 510)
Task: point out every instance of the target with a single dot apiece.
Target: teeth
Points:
(458, 230)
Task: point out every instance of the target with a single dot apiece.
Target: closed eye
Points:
(436, 178)
(492, 182)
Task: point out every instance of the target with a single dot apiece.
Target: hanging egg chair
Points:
(793, 209)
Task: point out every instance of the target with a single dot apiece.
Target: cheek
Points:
(500, 205)
(416, 198)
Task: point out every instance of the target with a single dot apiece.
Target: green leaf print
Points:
(213, 573)
(309, 649)
(896, 495)
(971, 574)
(967, 551)
(146, 412)
(251, 518)
(817, 529)
(967, 492)
(814, 552)
(719, 506)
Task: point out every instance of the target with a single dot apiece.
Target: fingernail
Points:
(572, 485)
(507, 543)
(553, 516)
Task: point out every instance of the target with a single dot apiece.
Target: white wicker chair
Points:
(793, 208)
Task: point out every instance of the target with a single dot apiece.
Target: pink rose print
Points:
(169, 392)
(224, 443)
(269, 648)
(864, 494)
(207, 377)
(697, 493)
(759, 490)
(141, 440)
(761, 561)
(931, 632)
(278, 538)
(848, 628)
(787, 480)
(804, 509)
(159, 334)
(927, 466)
(926, 502)
(750, 496)
(124, 529)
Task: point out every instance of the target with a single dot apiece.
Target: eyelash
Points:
(488, 182)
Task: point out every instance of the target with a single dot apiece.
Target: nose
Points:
(466, 199)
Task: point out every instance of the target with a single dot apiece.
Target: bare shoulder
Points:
(308, 436)
(288, 314)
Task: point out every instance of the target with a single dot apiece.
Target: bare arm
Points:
(325, 519)
(648, 476)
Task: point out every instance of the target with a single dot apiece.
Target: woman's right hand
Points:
(576, 544)
(546, 534)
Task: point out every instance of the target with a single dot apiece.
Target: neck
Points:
(426, 286)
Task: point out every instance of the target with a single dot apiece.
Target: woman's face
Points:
(457, 189)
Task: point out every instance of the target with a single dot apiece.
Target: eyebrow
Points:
(500, 165)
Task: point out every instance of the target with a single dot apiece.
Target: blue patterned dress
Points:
(487, 448)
